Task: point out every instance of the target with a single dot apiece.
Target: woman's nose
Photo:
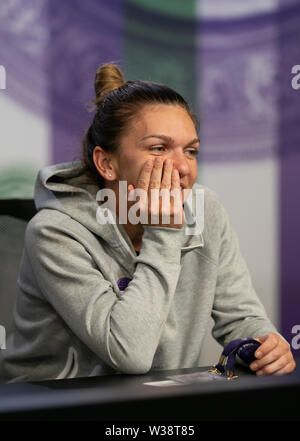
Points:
(180, 162)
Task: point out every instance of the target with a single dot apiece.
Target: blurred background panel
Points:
(160, 44)
(238, 98)
(231, 60)
(82, 36)
(25, 128)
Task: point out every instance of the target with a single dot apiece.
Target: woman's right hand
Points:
(155, 176)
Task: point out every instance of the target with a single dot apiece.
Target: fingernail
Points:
(259, 373)
(258, 354)
(149, 162)
(254, 366)
(168, 161)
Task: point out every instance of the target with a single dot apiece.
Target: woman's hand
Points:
(155, 176)
(273, 356)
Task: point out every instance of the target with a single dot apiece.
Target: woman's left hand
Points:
(273, 357)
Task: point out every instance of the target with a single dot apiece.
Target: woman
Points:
(98, 298)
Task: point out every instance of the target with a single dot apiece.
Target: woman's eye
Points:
(158, 147)
(193, 152)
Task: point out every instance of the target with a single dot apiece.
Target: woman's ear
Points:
(103, 163)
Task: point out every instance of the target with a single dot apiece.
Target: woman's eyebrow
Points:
(169, 139)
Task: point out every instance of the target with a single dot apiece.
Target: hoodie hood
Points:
(65, 187)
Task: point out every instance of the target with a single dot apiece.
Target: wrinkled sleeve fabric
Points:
(123, 330)
(237, 310)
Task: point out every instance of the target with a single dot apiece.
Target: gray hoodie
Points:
(75, 317)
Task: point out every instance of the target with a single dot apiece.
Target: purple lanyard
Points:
(243, 347)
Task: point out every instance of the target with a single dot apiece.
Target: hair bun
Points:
(108, 78)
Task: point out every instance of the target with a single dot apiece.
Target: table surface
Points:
(126, 396)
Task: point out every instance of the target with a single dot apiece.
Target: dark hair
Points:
(117, 104)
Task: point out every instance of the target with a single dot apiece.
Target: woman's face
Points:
(160, 130)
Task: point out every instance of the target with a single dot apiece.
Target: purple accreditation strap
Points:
(123, 283)
(243, 347)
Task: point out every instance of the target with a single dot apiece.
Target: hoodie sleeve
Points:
(122, 330)
(237, 310)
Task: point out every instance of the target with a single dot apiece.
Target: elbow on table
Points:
(133, 365)
(130, 356)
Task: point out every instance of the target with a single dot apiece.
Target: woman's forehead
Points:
(163, 120)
